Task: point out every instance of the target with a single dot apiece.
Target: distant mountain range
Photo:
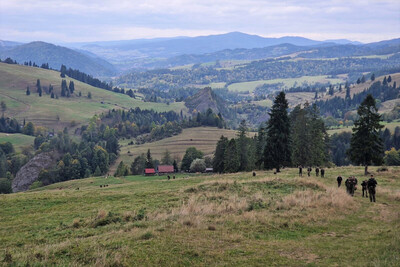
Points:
(41, 52)
(136, 53)
(112, 57)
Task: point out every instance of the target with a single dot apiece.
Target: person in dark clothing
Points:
(364, 188)
(300, 171)
(339, 180)
(317, 171)
(371, 184)
(322, 172)
(309, 169)
(351, 185)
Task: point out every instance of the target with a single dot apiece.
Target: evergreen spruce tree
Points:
(64, 88)
(71, 87)
(231, 158)
(218, 161)
(175, 164)
(149, 160)
(242, 144)
(166, 159)
(363, 79)
(389, 80)
(373, 77)
(366, 146)
(277, 149)
(260, 145)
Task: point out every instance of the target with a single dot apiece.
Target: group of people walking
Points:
(368, 186)
(309, 170)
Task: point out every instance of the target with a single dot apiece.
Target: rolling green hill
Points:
(41, 52)
(204, 220)
(203, 138)
(62, 112)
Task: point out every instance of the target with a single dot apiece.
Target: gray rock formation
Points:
(29, 173)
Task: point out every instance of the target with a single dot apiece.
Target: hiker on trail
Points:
(322, 172)
(309, 170)
(351, 185)
(317, 171)
(364, 188)
(371, 184)
(339, 180)
(300, 171)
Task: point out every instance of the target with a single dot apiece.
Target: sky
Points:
(61, 21)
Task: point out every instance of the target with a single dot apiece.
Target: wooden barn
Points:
(163, 169)
(149, 171)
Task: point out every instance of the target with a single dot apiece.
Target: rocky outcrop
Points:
(29, 173)
(205, 99)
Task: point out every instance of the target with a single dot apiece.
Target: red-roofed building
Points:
(165, 169)
(149, 171)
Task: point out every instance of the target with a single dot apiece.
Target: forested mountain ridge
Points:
(55, 56)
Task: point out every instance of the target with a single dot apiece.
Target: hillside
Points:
(206, 99)
(204, 220)
(41, 52)
(203, 138)
(62, 112)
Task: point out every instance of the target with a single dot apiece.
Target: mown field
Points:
(18, 140)
(204, 220)
(62, 112)
(203, 138)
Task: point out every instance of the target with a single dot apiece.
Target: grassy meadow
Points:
(18, 140)
(203, 138)
(288, 82)
(62, 112)
(204, 220)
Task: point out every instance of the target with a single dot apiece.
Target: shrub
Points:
(5, 186)
(198, 165)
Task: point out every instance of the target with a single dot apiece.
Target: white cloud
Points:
(88, 20)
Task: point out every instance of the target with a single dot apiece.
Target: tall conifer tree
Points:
(366, 146)
(277, 149)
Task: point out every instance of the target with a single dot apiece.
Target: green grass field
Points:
(204, 220)
(18, 140)
(45, 111)
(390, 125)
(289, 82)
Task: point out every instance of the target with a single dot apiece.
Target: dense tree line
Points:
(256, 70)
(83, 77)
(151, 125)
(337, 106)
(298, 138)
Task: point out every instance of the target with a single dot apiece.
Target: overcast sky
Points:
(99, 20)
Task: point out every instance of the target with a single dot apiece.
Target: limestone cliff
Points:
(29, 173)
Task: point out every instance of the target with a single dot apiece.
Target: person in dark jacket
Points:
(339, 180)
(371, 184)
(322, 172)
(317, 171)
(364, 188)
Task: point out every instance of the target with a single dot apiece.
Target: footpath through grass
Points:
(199, 220)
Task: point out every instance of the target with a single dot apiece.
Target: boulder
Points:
(29, 173)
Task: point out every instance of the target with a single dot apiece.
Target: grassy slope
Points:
(390, 125)
(289, 82)
(43, 110)
(203, 138)
(357, 88)
(18, 140)
(233, 219)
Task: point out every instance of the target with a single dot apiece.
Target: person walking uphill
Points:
(322, 172)
(317, 171)
(339, 180)
(364, 188)
(371, 184)
(300, 171)
(309, 171)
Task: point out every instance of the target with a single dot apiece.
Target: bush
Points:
(5, 186)
(35, 185)
(198, 165)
